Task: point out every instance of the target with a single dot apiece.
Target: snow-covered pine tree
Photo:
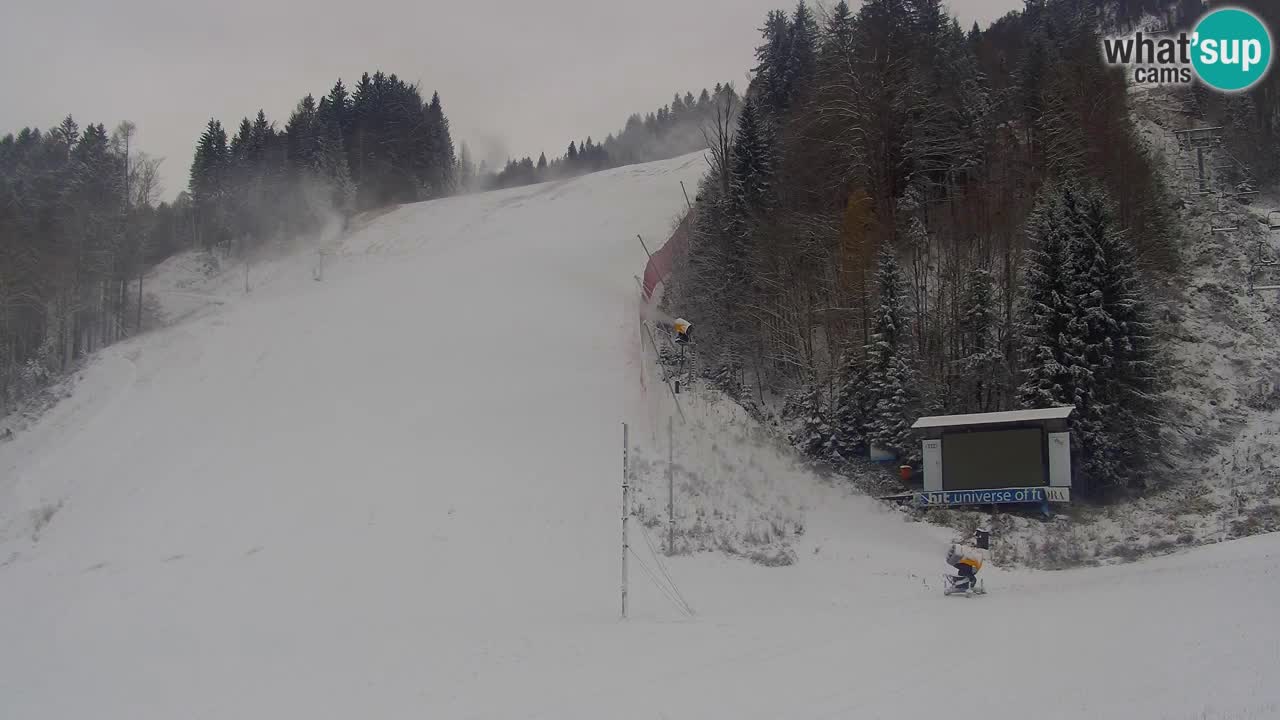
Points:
(1049, 306)
(752, 162)
(329, 161)
(802, 62)
(807, 409)
(981, 365)
(208, 185)
(1087, 335)
(441, 159)
(301, 136)
(774, 57)
(891, 376)
(1117, 419)
(837, 41)
(851, 410)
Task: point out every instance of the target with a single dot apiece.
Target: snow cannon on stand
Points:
(682, 328)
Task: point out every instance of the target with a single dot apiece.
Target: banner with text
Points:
(997, 496)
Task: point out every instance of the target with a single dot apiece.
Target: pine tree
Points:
(1050, 305)
(752, 161)
(300, 133)
(891, 377)
(1117, 388)
(774, 57)
(329, 162)
(441, 159)
(838, 37)
(1088, 335)
(542, 162)
(68, 133)
(806, 408)
(851, 411)
(802, 62)
(242, 142)
(208, 185)
(982, 361)
(340, 105)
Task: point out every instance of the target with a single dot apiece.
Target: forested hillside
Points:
(674, 129)
(909, 218)
(81, 221)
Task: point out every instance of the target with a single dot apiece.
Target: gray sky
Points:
(516, 78)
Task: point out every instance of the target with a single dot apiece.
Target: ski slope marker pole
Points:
(671, 487)
(626, 497)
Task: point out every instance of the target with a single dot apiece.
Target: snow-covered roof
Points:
(995, 418)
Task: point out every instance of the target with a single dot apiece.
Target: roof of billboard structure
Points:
(995, 418)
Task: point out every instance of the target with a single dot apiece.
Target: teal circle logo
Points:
(1231, 49)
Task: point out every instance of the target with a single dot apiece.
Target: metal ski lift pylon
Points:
(1205, 137)
(1265, 255)
(1223, 222)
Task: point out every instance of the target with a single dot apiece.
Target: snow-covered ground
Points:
(395, 493)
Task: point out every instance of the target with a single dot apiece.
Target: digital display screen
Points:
(993, 459)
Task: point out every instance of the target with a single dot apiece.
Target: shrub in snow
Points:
(806, 409)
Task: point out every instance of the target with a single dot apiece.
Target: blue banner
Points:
(992, 497)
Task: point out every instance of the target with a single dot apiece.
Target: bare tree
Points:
(719, 139)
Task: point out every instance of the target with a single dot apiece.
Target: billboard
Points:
(993, 458)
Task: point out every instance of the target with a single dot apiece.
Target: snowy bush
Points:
(728, 497)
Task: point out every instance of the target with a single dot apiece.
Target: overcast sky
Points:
(516, 77)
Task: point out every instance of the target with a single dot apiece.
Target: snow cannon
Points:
(683, 328)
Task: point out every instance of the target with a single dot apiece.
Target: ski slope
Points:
(395, 494)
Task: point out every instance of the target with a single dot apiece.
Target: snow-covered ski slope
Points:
(395, 494)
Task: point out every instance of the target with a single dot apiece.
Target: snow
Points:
(994, 418)
(395, 493)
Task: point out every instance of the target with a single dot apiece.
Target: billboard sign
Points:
(995, 496)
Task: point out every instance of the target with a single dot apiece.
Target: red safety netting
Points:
(661, 262)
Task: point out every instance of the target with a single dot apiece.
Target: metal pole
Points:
(646, 247)
(626, 506)
(671, 487)
(686, 195)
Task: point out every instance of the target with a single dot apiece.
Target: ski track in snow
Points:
(395, 494)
